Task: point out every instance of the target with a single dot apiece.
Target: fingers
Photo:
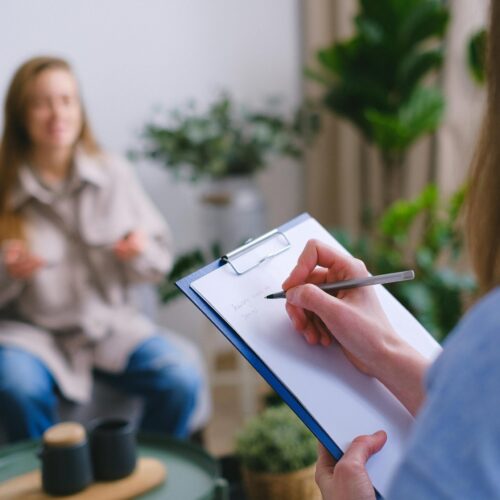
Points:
(297, 315)
(124, 250)
(325, 467)
(311, 298)
(136, 241)
(325, 338)
(13, 251)
(19, 262)
(130, 246)
(309, 325)
(317, 253)
(325, 461)
(348, 478)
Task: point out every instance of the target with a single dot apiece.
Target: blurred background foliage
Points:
(378, 78)
(421, 234)
(226, 139)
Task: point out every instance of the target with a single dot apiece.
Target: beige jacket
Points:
(76, 313)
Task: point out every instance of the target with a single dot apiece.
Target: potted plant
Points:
(227, 145)
(278, 454)
(378, 80)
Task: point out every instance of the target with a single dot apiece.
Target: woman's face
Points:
(54, 113)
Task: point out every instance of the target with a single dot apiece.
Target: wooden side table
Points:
(191, 472)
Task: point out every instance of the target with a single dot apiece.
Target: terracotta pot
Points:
(296, 485)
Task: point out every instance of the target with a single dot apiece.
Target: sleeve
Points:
(10, 287)
(455, 448)
(157, 257)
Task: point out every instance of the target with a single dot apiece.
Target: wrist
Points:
(402, 369)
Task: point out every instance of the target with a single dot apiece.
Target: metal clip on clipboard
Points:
(250, 245)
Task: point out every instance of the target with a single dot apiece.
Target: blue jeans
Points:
(156, 371)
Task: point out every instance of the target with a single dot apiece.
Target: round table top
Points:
(191, 472)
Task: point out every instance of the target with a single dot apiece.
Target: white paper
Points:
(343, 401)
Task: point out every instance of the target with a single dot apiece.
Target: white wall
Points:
(131, 55)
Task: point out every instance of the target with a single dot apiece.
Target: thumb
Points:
(363, 447)
(312, 298)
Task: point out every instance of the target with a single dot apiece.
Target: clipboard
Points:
(238, 342)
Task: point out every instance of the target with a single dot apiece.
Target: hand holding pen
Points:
(353, 318)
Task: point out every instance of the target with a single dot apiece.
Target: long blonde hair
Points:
(483, 202)
(15, 141)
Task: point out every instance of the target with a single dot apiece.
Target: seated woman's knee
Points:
(181, 377)
(23, 378)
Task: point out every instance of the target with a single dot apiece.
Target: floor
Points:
(228, 412)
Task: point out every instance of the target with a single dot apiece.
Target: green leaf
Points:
(396, 132)
(476, 55)
(416, 66)
(426, 19)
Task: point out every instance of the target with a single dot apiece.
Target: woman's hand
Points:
(355, 319)
(347, 479)
(130, 246)
(18, 261)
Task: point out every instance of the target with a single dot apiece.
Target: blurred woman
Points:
(76, 232)
(454, 451)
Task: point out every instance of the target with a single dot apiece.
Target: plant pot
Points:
(232, 211)
(296, 485)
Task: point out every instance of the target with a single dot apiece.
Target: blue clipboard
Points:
(286, 395)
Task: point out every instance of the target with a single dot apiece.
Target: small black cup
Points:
(66, 469)
(113, 448)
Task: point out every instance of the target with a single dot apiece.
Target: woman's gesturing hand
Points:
(130, 246)
(347, 479)
(18, 261)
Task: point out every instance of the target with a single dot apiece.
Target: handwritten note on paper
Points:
(343, 401)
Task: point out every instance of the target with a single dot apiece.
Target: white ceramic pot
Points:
(232, 211)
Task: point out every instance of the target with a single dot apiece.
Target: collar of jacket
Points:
(87, 170)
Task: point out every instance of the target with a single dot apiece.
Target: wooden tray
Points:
(148, 474)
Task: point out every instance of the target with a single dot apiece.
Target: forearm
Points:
(402, 370)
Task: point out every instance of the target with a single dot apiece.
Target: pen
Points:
(381, 279)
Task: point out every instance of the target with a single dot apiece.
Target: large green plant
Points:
(226, 140)
(377, 78)
(276, 441)
(421, 234)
